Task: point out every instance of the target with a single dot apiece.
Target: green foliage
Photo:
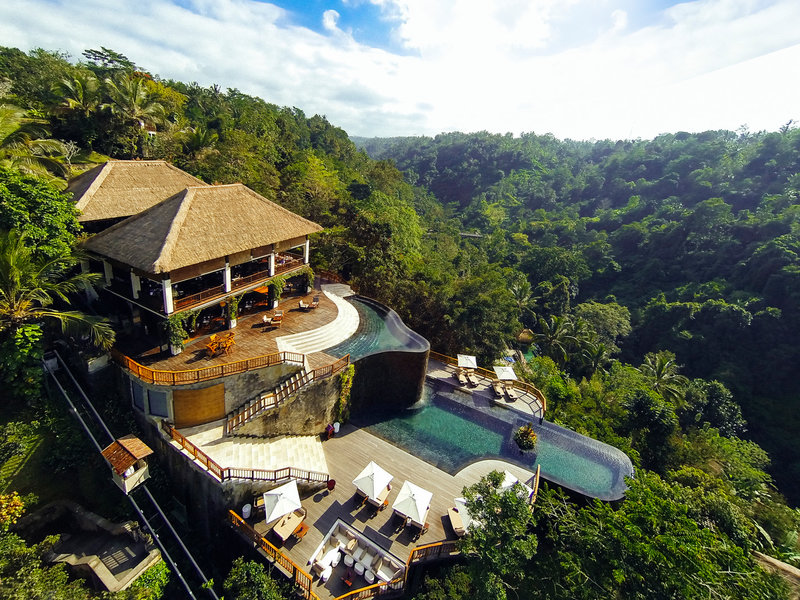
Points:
(342, 408)
(175, 328)
(16, 437)
(46, 216)
(21, 363)
(248, 580)
(278, 283)
(150, 584)
(525, 437)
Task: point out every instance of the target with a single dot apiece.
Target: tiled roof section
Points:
(124, 452)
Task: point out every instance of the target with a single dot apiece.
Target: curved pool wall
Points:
(390, 359)
(451, 429)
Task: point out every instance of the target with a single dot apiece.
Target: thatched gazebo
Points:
(119, 189)
(199, 246)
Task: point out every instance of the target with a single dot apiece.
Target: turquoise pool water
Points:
(450, 430)
(378, 331)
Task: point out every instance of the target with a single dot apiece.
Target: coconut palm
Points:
(555, 338)
(79, 94)
(24, 143)
(662, 371)
(29, 286)
(132, 103)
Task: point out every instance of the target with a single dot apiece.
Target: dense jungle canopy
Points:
(659, 281)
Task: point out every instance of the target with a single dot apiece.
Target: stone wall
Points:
(388, 381)
(306, 412)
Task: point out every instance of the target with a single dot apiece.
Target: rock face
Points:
(306, 412)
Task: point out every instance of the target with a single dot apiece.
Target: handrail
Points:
(520, 385)
(223, 473)
(278, 396)
(158, 377)
(217, 290)
(300, 577)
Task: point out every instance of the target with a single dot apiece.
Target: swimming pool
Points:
(379, 330)
(451, 429)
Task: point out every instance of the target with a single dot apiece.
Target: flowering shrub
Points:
(525, 437)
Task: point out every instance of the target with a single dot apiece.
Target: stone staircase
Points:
(266, 401)
(342, 327)
(301, 451)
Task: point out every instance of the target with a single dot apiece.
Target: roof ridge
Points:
(105, 169)
(184, 199)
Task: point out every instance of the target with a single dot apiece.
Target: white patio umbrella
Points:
(281, 501)
(413, 502)
(465, 361)
(372, 480)
(505, 373)
(508, 482)
(466, 518)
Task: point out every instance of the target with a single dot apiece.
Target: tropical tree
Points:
(662, 371)
(248, 580)
(24, 143)
(555, 338)
(29, 286)
(134, 106)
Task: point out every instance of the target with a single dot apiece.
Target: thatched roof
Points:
(124, 452)
(199, 224)
(121, 188)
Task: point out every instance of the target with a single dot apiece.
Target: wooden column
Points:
(306, 251)
(272, 264)
(166, 287)
(226, 277)
(136, 285)
(109, 274)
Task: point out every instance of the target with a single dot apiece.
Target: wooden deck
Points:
(347, 455)
(251, 338)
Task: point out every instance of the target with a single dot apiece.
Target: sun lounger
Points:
(497, 386)
(512, 393)
(303, 306)
(473, 379)
(462, 379)
(456, 521)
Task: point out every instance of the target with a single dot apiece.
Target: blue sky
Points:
(579, 69)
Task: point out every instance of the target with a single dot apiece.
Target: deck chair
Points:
(303, 306)
(314, 302)
(497, 386)
(512, 393)
(473, 379)
(276, 321)
(462, 379)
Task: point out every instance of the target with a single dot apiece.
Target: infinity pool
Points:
(379, 330)
(451, 429)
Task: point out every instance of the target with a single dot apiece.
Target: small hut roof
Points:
(121, 188)
(196, 225)
(124, 452)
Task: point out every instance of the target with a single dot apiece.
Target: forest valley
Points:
(659, 281)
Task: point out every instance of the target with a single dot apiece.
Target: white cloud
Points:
(330, 20)
(577, 68)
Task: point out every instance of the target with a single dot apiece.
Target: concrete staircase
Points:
(342, 327)
(301, 451)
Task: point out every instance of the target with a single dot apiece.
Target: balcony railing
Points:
(199, 297)
(156, 377)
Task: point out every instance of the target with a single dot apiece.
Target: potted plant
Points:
(232, 306)
(176, 333)
(525, 437)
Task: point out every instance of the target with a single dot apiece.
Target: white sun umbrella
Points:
(466, 518)
(372, 480)
(281, 501)
(413, 502)
(465, 361)
(505, 373)
(508, 482)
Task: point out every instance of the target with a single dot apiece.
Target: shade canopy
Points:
(508, 482)
(466, 518)
(505, 373)
(281, 501)
(467, 362)
(372, 480)
(413, 502)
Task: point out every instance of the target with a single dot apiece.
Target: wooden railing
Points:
(246, 280)
(157, 377)
(330, 276)
(277, 397)
(296, 574)
(223, 473)
(520, 385)
(395, 587)
(186, 301)
(289, 265)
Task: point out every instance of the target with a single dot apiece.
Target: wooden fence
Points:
(520, 385)
(206, 373)
(223, 473)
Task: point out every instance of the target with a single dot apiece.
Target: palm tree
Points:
(555, 338)
(662, 371)
(132, 103)
(24, 143)
(80, 94)
(197, 141)
(28, 287)
(595, 356)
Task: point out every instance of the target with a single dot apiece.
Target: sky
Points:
(579, 69)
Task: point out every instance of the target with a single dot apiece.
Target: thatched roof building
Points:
(121, 188)
(200, 226)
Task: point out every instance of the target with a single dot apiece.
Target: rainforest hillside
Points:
(658, 282)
